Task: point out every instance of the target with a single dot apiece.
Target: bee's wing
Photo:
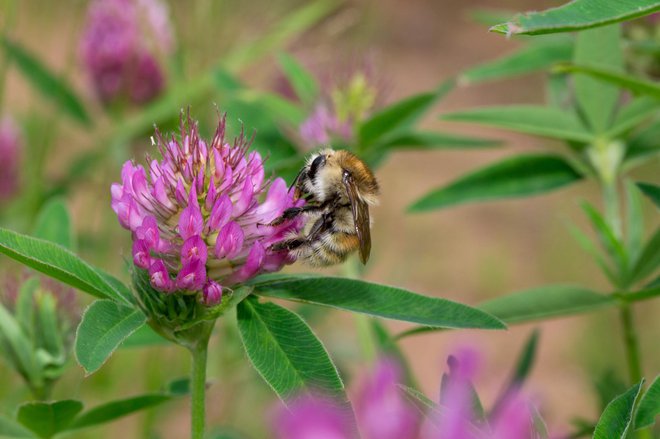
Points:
(360, 211)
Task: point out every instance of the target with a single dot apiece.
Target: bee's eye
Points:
(316, 164)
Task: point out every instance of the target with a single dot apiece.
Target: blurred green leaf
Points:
(285, 351)
(399, 115)
(104, 326)
(46, 419)
(545, 302)
(12, 429)
(531, 119)
(54, 224)
(600, 47)
(649, 405)
(430, 140)
(652, 191)
(291, 26)
(18, 348)
(526, 359)
(632, 115)
(618, 415)
(57, 262)
(634, 220)
(648, 261)
(375, 300)
(577, 14)
(514, 177)
(622, 80)
(301, 80)
(117, 409)
(530, 58)
(644, 143)
(590, 247)
(49, 332)
(45, 82)
(24, 308)
(388, 348)
(613, 247)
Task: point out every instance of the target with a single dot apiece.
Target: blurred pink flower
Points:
(310, 417)
(382, 412)
(11, 145)
(380, 409)
(200, 216)
(347, 98)
(456, 419)
(121, 46)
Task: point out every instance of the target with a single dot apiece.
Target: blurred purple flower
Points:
(196, 217)
(347, 98)
(10, 150)
(121, 46)
(381, 411)
(456, 419)
(310, 417)
(322, 125)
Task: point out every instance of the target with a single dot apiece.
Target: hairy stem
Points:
(198, 390)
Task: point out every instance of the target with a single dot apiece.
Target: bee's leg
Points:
(293, 212)
(288, 245)
(320, 226)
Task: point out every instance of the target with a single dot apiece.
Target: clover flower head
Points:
(10, 149)
(200, 216)
(121, 45)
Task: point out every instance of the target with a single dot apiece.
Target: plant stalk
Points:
(198, 389)
(631, 344)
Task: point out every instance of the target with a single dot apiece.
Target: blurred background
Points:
(468, 254)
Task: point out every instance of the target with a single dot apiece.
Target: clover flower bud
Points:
(122, 46)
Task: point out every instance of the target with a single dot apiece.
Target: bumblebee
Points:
(338, 188)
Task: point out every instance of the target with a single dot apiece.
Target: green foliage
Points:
(600, 47)
(46, 419)
(531, 119)
(104, 326)
(54, 224)
(652, 191)
(285, 351)
(45, 82)
(117, 409)
(55, 261)
(400, 115)
(622, 80)
(514, 177)
(302, 81)
(375, 300)
(576, 15)
(537, 55)
(618, 415)
(545, 302)
(649, 405)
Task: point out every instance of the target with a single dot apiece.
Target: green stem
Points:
(198, 389)
(612, 210)
(631, 344)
